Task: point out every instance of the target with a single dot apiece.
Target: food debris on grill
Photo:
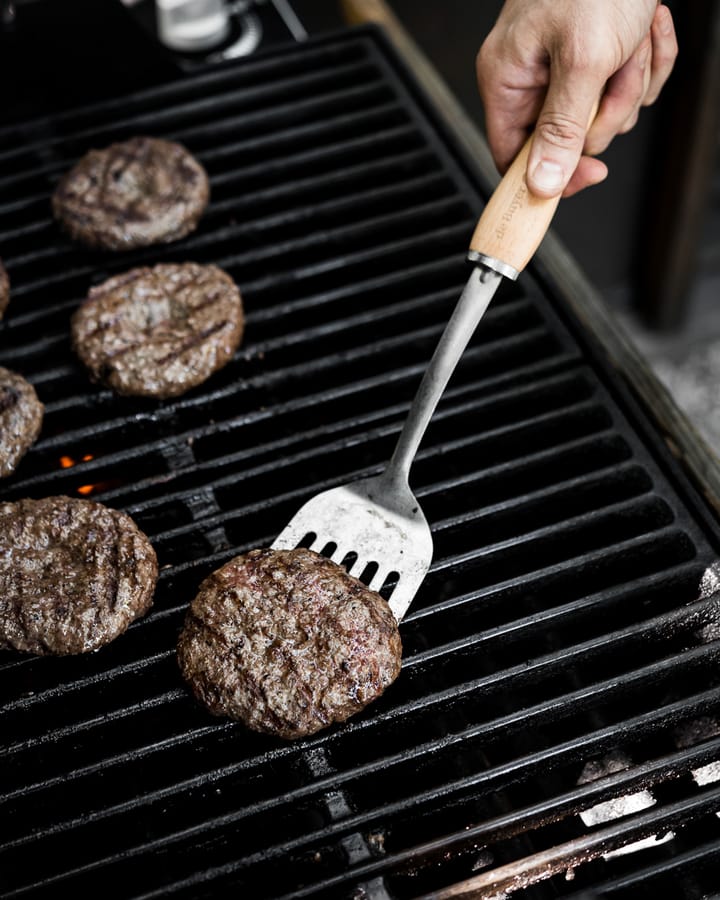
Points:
(157, 332)
(21, 418)
(287, 642)
(131, 194)
(4, 289)
(74, 574)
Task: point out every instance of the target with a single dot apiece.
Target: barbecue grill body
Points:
(558, 656)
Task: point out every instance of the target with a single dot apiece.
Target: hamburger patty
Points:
(157, 332)
(131, 194)
(73, 575)
(287, 642)
(4, 289)
(21, 418)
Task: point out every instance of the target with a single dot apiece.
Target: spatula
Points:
(379, 518)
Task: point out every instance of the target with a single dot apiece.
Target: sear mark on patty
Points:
(21, 418)
(132, 194)
(157, 332)
(74, 574)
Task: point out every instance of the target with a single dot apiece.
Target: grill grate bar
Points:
(446, 269)
(405, 246)
(674, 576)
(295, 305)
(324, 483)
(583, 417)
(198, 241)
(399, 136)
(169, 696)
(111, 425)
(247, 174)
(601, 691)
(407, 806)
(679, 761)
(631, 547)
(379, 115)
(385, 251)
(203, 83)
(504, 469)
(542, 865)
(133, 666)
(640, 825)
(272, 100)
(94, 471)
(568, 803)
(38, 197)
(413, 214)
(382, 117)
(664, 576)
(605, 478)
(683, 864)
(669, 541)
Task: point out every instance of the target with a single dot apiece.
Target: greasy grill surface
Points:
(559, 625)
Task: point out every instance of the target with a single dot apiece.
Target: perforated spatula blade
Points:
(379, 519)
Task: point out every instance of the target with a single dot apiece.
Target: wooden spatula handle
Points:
(514, 220)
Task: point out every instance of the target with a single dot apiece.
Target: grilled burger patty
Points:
(287, 642)
(131, 194)
(73, 575)
(4, 289)
(21, 418)
(157, 332)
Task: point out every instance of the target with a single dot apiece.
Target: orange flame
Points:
(67, 462)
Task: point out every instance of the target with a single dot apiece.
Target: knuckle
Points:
(597, 143)
(561, 131)
(486, 58)
(665, 56)
(582, 57)
(629, 124)
(483, 71)
(637, 93)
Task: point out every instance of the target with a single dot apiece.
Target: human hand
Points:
(546, 63)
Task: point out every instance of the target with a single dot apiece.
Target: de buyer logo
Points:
(506, 217)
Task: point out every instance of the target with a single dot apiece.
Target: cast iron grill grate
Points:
(559, 626)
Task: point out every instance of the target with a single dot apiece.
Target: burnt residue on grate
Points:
(560, 633)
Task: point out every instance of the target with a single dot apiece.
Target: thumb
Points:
(559, 135)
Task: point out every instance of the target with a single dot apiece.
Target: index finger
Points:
(508, 123)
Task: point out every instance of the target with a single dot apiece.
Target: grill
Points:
(555, 728)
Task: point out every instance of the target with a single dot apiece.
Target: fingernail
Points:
(548, 176)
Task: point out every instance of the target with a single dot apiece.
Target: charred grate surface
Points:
(559, 632)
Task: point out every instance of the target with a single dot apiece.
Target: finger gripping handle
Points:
(514, 221)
